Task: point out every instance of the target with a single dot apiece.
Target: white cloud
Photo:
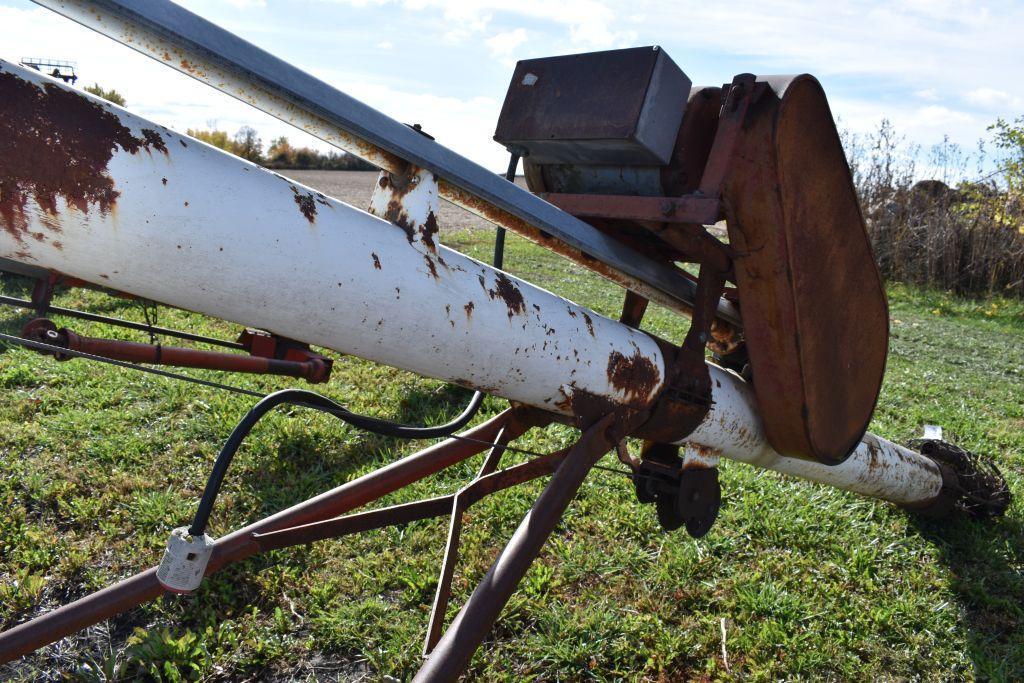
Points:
(503, 45)
(385, 45)
(866, 51)
(463, 125)
(585, 24)
(990, 98)
(170, 98)
(246, 4)
(152, 90)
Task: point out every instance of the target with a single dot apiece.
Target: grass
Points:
(98, 464)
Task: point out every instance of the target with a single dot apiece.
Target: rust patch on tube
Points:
(469, 310)
(586, 406)
(635, 376)
(376, 260)
(56, 144)
(507, 291)
(306, 203)
(431, 266)
(430, 229)
(590, 323)
(396, 214)
(155, 140)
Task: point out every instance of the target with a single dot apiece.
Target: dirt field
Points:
(355, 188)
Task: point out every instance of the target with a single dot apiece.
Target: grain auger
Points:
(629, 168)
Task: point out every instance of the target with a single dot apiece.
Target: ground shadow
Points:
(986, 560)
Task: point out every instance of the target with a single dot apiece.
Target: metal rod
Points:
(353, 524)
(499, 236)
(474, 621)
(240, 544)
(313, 370)
(486, 483)
(443, 593)
(208, 53)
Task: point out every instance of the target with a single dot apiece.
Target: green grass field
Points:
(97, 464)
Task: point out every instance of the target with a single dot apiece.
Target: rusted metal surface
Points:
(241, 544)
(686, 209)
(410, 201)
(313, 369)
(633, 308)
(352, 524)
(816, 322)
(55, 147)
(683, 173)
(616, 107)
(635, 375)
(743, 92)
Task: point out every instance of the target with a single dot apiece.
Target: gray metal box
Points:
(619, 107)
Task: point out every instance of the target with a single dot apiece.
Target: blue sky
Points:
(933, 67)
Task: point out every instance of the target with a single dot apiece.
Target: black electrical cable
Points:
(309, 399)
(499, 236)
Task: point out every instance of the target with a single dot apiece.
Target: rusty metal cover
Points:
(617, 107)
(812, 300)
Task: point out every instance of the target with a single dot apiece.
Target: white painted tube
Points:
(877, 468)
(188, 225)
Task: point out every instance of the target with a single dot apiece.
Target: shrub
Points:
(967, 239)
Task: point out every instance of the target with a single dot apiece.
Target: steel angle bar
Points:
(208, 53)
(406, 512)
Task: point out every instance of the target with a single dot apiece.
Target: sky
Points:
(932, 67)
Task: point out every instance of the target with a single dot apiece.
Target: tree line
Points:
(246, 143)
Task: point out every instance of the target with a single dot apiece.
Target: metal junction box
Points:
(619, 107)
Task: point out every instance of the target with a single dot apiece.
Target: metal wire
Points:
(42, 346)
(130, 324)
